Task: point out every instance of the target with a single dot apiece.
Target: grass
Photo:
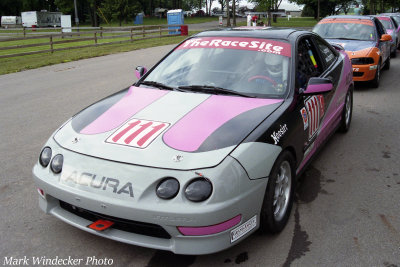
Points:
(299, 22)
(9, 65)
(15, 64)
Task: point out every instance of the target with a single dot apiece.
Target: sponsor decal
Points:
(304, 115)
(277, 135)
(315, 106)
(137, 133)
(259, 45)
(356, 69)
(243, 229)
(98, 182)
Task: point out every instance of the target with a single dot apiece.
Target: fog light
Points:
(198, 190)
(167, 188)
(57, 163)
(45, 156)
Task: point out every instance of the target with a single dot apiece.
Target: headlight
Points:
(167, 188)
(198, 190)
(362, 61)
(57, 163)
(45, 156)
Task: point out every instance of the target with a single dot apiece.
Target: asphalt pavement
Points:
(348, 200)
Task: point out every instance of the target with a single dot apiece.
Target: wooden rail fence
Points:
(127, 34)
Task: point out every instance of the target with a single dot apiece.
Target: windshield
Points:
(386, 23)
(346, 30)
(253, 67)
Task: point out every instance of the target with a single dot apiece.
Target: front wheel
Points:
(377, 79)
(387, 64)
(278, 198)
(347, 112)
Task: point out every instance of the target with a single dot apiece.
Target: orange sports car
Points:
(365, 41)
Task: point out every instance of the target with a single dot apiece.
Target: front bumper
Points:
(233, 194)
(363, 73)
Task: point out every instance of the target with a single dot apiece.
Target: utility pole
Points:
(76, 15)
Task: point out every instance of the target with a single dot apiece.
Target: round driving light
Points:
(198, 190)
(45, 156)
(167, 188)
(57, 163)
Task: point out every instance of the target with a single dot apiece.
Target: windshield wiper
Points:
(158, 85)
(212, 89)
(342, 38)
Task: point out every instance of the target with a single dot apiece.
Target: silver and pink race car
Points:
(205, 148)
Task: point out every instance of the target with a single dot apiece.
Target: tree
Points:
(120, 10)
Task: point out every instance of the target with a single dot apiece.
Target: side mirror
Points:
(140, 71)
(318, 85)
(386, 37)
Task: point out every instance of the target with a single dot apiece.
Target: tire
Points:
(394, 54)
(278, 198)
(387, 64)
(347, 112)
(377, 79)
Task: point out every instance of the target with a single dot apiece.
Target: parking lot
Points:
(348, 200)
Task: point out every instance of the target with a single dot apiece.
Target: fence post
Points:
(24, 32)
(95, 38)
(143, 30)
(51, 43)
(62, 33)
(160, 29)
(101, 32)
(131, 35)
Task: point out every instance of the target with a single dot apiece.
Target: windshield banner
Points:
(355, 21)
(258, 45)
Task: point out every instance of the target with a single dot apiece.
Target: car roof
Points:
(264, 33)
(366, 17)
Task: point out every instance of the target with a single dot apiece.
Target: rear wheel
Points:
(278, 198)
(377, 79)
(347, 112)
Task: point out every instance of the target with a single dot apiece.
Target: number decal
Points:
(315, 109)
(137, 133)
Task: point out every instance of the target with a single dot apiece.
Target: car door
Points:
(384, 47)
(315, 58)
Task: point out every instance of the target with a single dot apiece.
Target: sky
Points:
(284, 5)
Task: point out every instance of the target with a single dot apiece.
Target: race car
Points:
(206, 147)
(391, 29)
(365, 41)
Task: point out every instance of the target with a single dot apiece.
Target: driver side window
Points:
(308, 63)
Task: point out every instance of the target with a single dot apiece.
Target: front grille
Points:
(358, 74)
(141, 228)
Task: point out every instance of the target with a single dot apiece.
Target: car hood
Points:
(164, 129)
(353, 45)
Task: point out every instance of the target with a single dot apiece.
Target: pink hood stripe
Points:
(134, 101)
(194, 128)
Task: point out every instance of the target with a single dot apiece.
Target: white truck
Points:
(32, 19)
(10, 21)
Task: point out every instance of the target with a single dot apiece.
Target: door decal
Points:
(315, 109)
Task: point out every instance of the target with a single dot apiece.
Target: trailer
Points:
(10, 21)
(32, 19)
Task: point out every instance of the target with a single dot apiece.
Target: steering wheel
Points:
(264, 78)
